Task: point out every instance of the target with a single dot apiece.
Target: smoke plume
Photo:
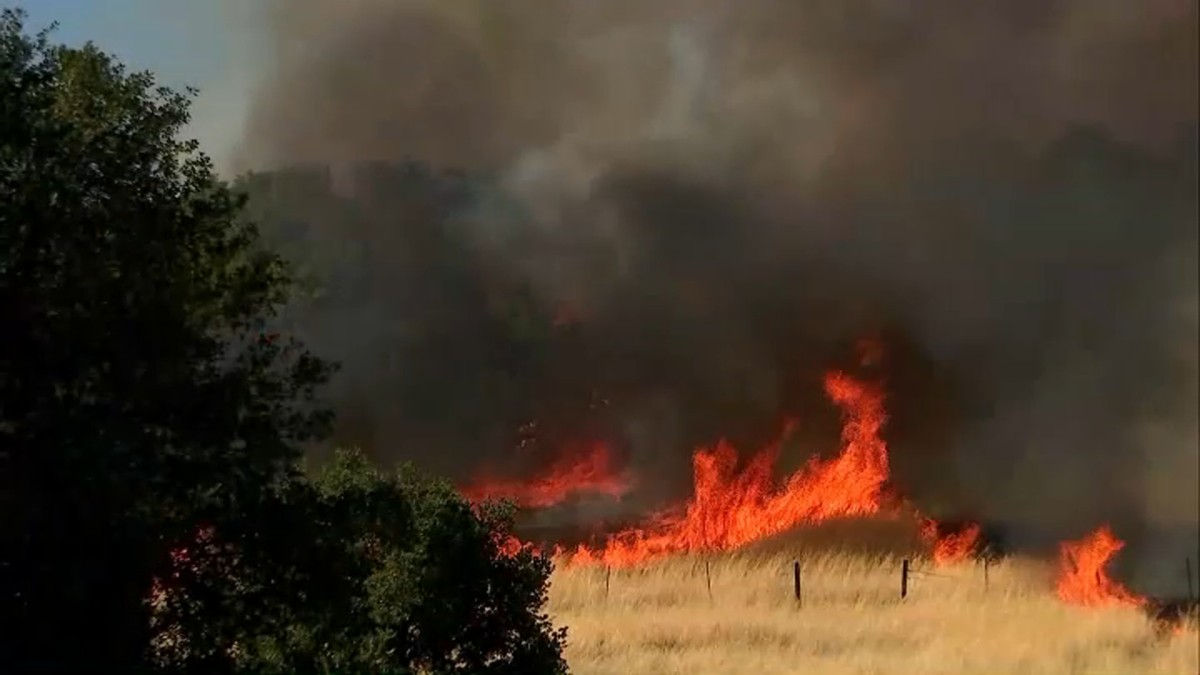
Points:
(719, 199)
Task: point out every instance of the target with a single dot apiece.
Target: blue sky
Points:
(184, 41)
(200, 43)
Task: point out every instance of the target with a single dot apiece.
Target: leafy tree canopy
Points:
(152, 511)
(138, 395)
(398, 572)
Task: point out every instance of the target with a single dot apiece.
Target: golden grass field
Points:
(660, 620)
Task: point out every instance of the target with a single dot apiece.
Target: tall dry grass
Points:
(661, 620)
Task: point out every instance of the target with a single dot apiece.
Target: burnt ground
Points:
(1168, 614)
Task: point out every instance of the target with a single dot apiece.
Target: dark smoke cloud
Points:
(729, 194)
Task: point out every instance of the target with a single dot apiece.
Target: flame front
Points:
(587, 472)
(1082, 576)
(731, 508)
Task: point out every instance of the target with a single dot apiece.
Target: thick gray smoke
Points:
(727, 195)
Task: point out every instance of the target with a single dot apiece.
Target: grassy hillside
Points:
(661, 620)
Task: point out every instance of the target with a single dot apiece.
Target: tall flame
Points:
(733, 503)
(731, 508)
(1082, 576)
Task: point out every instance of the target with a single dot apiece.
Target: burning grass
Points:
(706, 587)
(732, 508)
(585, 470)
(660, 618)
(1083, 578)
(735, 503)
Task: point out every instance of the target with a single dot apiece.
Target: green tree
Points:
(139, 398)
(153, 511)
(396, 573)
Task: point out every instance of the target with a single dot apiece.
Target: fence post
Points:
(796, 583)
(607, 575)
(904, 579)
(986, 563)
(1187, 562)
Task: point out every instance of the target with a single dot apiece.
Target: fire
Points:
(735, 503)
(951, 547)
(510, 546)
(589, 472)
(731, 508)
(1082, 577)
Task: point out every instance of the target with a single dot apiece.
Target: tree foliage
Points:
(414, 578)
(152, 511)
(138, 393)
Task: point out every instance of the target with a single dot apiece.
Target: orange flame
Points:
(1082, 577)
(510, 546)
(950, 547)
(589, 472)
(731, 508)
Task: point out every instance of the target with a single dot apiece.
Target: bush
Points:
(397, 573)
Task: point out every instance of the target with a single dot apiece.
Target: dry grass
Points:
(660, 620)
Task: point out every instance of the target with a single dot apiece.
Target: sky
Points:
(196, 43)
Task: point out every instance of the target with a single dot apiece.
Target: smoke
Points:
(725, 196)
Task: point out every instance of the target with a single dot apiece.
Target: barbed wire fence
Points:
(907, 572)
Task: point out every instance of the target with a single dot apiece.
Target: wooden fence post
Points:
(607, 575)
(796, 583)
(904, 579)
(986, 563)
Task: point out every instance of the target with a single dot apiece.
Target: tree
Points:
(154, 515)
(396, 573)
(139, 397)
